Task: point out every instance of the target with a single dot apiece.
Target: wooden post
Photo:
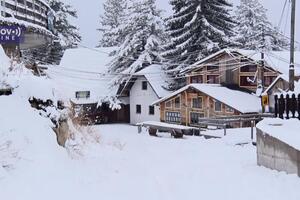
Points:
(276, 105)
(292, 49)
(252, 130)
(225, 131)
(287, 104)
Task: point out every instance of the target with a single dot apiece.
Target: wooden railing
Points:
(287, 106)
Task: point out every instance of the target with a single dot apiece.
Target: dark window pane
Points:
(138, 109)
(213, 79)
(151, 110)
(177, 102)
(218, 106)
(247, 81)
(197, 102)
(144, 85)
(195, 117)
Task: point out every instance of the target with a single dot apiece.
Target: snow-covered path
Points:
(126, 165)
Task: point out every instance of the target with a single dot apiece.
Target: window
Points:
(197, 79)
(173, 117)
(197, 102)
(268, 80)
(194, 117)
(177, 102)
(138, 109)
(218, 106)
(229, 109)
(249, 68)
(247, 81)
(169, 104)
(144, 85)
(213, 79)
(213, 68)
(83, 94)
(151, 110)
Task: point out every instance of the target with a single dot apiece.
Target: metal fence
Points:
(287, 106)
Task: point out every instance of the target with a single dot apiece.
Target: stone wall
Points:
(277, 155)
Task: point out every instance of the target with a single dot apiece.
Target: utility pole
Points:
(292, 50)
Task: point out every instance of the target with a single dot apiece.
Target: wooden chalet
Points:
(194, 101)
(231, 68)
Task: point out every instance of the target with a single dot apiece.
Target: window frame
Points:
(201, 105)
(250, 84)
(217, 79)
(216, 101)
(175, 106)
(144, 85)
(151, 108)
(173, 115)
(138, 109)
(192, 113)
(166, 104)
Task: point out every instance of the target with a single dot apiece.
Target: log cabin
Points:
(239, 69)
(194, 101)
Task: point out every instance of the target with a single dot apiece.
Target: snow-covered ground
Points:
(127, 165)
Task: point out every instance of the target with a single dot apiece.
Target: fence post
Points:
(252, 130)
(288, 106)
(225, 131)
(293, 105)
(276, 105)
(281, 106)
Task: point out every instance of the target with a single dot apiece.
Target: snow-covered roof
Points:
(241, 101)
(277, 60)
(83, 69)
(157, 78)
(280, 77)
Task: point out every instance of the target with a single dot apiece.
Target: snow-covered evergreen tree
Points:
(111, 21)
(67, 31)
(255, 30)
(144, 35)
(197, 28)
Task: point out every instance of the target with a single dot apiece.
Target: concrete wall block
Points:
(266, 161)
(275, 154)
(290, 167)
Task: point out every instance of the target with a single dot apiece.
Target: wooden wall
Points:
(229, 72)
(185, 109)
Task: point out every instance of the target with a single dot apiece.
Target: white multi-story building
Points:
(144, 88)
(34, 16)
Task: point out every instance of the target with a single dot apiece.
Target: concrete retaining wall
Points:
(275, 154)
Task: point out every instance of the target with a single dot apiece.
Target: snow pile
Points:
(284, 130)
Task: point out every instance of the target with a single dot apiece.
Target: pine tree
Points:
(197, 28)
(255, 30)
(111, 21)
(144, 35)
(68, 32)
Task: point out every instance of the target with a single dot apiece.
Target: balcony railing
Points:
(35, 12)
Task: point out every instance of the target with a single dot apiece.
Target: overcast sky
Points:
(90, 10)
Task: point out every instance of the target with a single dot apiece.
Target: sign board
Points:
(265, 100)
(11, 34)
